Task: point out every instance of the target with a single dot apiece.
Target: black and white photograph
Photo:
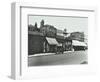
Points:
(53, 41)
(57, 40)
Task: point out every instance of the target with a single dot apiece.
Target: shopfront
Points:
(50, 44)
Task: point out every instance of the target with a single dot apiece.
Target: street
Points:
(68, 58)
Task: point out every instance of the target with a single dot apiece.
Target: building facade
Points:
(47, 38)
(35, 42)
(77, 36)
(78, 40)
(49, 32)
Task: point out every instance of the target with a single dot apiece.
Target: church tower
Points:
(41, 23)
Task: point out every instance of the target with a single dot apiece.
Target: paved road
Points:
(68, 58)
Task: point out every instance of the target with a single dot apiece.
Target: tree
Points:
(35, 25)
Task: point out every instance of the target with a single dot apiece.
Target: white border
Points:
(19, 43)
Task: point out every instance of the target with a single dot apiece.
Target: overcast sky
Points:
(72, 24)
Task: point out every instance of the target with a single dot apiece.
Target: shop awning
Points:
(78, 43)
(52, 41)
(59, 44)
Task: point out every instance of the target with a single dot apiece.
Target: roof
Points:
(78, 43)
(35, 33)
(59, 31)
(52, 41)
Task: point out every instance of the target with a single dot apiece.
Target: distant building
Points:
(48, 30)
(78, 45)
(78, 40)
(62, 39)
(77, 36)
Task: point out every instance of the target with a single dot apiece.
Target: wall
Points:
(35, 44)
(5, 39)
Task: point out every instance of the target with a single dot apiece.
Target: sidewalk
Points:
(47, 54)
(42, 54)
(67, 52)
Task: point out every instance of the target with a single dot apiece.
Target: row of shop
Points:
(47, 38)
(37, 43)
(52, 45)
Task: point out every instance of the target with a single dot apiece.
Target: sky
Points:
(72, 24)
